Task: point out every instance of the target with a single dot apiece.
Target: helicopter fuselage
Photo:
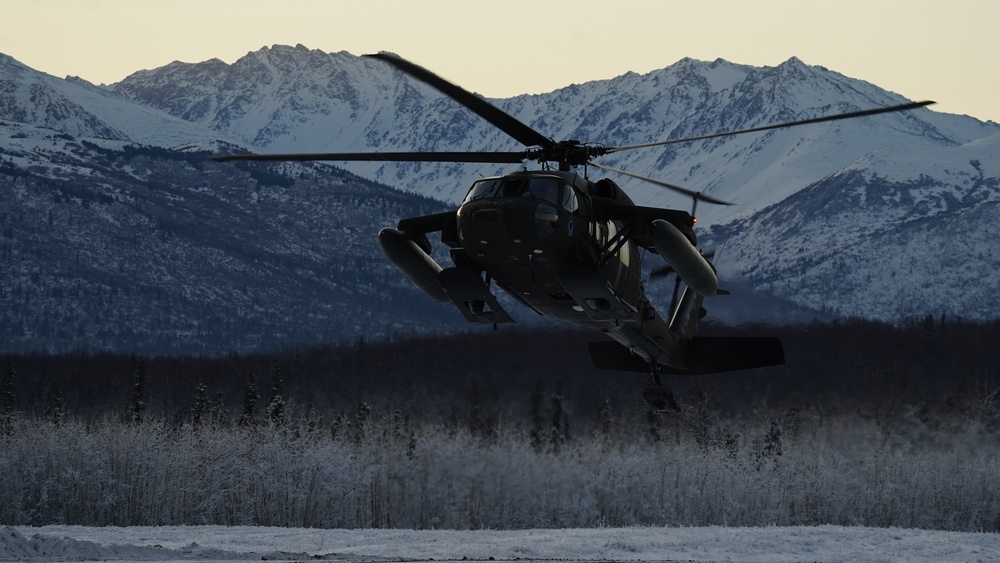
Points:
(559, 244)
(533, 232)
(567, 247)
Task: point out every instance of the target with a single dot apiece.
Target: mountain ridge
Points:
(689, 98)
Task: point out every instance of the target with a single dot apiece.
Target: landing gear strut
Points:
(658, 397)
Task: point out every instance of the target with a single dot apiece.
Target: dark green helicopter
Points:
(568, 247)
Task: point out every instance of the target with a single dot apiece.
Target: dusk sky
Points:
(944, 51)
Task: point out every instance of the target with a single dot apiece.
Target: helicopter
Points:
(570, 248)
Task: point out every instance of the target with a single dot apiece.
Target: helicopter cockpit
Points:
(551, 196)
(551, 189)
(539, 187)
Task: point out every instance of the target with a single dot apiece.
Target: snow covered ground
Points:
(215, 543)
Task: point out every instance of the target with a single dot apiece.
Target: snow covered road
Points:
(216, 543)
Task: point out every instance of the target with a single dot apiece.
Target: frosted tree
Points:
(361, 422)
(537, 415)
(275, 410)
(314, 421)
(219, 412)
(200, 408)
(137, 404)
(56, 405)
(9, 399)
(769, 448)
(605, 417)
(250, 398)
(559, 433)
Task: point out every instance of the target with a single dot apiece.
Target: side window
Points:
(624, 253)
(569, 201)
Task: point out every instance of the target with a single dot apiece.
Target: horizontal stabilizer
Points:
(707, 355)
(612, 355)
(716, 354)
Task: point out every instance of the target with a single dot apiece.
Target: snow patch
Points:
(825, 543)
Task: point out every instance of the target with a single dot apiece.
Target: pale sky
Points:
(944, 50)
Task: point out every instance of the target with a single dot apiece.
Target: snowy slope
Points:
(80, 109)
(215, 543)
(109, 245)
(900, 233)
(118, 233)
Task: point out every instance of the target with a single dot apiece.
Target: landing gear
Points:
(658, 397)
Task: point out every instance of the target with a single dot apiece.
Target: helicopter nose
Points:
(491, 224)
(502, 225)
(487, 217)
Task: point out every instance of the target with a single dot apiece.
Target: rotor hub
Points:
(566, 153)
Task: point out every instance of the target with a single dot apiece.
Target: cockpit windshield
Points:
(544, 188)
(539, 187)
(484, 188)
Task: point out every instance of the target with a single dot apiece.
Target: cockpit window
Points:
(569, 201)
(484, 188)
(512, 187)
(540, 188)
(544, 188)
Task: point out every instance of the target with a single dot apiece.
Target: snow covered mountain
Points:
(112, 244)
(890, 174)
(109, 210)
(294, 99)
(78, 108)
(108, 245)
(902, 232)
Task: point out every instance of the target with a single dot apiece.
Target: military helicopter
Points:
(568, 247)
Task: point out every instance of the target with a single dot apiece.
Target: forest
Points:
(867, 424)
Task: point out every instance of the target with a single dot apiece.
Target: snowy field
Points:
(216, 543)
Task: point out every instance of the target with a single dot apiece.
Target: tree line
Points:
(934, 364)
(867, 424)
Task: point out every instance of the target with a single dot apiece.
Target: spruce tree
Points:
(219, 416)
(361, 421)
(275, 409)
(559, 432)
(606, 417)
(138, 403)
(313, 420)
(200, 405)
(250, 398)
(56, 405)
(537, 409)
(8, 401)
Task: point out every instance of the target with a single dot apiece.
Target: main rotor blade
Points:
(698, 196)
(853, 114)
(505, 122)
(492, 157)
